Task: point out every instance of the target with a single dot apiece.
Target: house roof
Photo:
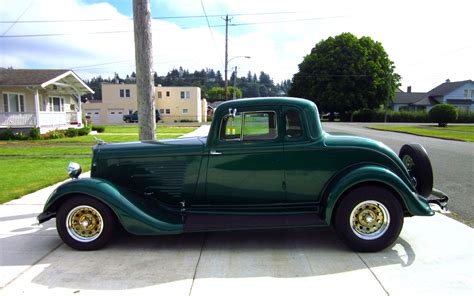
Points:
(408, 97)
(42, 78)
(26, 77)
(446, 88)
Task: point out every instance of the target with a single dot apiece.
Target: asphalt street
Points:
(452, 162)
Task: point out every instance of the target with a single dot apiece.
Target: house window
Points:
(466, 93)
(185, 95)
(125, 93)
(167, 93)
(472, 93)
(162, 111)
(168, 111)
(185, 111)
(56, 104)
(13, 102)
(159, 95)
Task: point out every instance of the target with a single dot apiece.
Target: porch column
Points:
(37, 107)
(79, 113)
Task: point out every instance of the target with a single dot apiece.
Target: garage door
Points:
(94, 115)
(115, 116)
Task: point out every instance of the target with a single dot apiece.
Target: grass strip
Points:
(428, 132)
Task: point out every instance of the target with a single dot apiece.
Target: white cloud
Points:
(429, 41)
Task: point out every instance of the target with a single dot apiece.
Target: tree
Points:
(217, 93)
(345, 74)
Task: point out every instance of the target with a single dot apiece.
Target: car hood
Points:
(191, 145)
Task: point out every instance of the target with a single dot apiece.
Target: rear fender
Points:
(373, 174)
(127, 206)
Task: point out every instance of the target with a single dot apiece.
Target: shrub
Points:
(465, 117)
(443, 114)
(55, 134)
(71, 132)
(367, 115)
(34, 134)
(187, 120)
(84, 131)
(7, 135)
(98, 128)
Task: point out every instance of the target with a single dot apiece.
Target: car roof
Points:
(249, 102)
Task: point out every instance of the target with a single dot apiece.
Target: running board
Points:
(219, 222)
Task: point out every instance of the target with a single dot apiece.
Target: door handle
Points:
(214, 152)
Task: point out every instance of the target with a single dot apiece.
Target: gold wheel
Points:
(369, 220)
(84, 223)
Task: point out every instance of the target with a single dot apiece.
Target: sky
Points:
(428, 41)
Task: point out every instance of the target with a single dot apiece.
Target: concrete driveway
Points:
(433, 256)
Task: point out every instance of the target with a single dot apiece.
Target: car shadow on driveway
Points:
(130, 262)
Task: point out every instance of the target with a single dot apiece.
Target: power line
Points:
(18, 18)
(210, 30)
(155, 18)
(130, 31)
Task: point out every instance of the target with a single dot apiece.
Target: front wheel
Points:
(84, 223)
(369, 219)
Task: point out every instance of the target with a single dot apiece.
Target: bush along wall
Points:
(367, 115)
(34, 134)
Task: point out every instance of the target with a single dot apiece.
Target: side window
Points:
(294, 127)
(260, 126)
(231, 127)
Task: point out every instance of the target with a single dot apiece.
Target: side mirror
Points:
(74, 170)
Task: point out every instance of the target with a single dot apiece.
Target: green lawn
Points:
(44, 150)
(28, 166)
(159, 129)
(23, 176)
(459, 132)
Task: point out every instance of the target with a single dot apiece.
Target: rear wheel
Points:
(368, 219)
(418, 164)
(85, 223)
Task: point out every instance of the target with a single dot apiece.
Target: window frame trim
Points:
(21, 97)
(241, 138)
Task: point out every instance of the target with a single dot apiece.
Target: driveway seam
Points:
(32, 265)
(371, 271)
(197, 263)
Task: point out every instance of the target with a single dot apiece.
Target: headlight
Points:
(74, 170)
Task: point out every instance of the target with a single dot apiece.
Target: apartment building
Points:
(176, 104)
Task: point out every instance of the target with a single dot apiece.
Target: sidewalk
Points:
(433, 256)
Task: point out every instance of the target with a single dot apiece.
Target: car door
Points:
(245, 165)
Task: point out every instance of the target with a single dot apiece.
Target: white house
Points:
(46, 99)
(458, 93)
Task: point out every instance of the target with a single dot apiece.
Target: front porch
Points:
(46, 121)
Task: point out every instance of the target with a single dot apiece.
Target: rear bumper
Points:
(438, 201)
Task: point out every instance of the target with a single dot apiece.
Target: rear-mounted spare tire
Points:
(418, 164)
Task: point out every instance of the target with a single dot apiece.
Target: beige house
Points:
(46, 99)
(177, 103)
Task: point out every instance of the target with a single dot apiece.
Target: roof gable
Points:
(43, 78)
(408, 98)
(24, 77)
(446, 88)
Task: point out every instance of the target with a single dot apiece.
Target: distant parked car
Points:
(129, 118)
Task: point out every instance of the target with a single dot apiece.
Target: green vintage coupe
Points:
(266, 163)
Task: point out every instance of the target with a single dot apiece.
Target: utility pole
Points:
(227, 19)
(144, 69)
(234, 95)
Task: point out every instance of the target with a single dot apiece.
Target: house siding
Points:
(113, 102)
(458, 94)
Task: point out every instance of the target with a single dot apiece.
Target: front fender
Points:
(127, 206)
(374, 174)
